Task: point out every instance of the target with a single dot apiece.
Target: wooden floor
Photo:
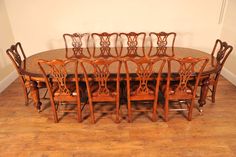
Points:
(24, 132)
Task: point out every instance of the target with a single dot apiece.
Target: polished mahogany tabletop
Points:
(32, 69)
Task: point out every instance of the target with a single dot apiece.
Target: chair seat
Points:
(103, 95)
(135, 92)
(65, 96)
(177, 94)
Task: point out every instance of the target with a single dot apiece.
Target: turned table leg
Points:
(35, 95)
(203, 94)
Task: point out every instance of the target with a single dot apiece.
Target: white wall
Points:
(6, 36)
(229, 35)
(7, 75)
(39, 24)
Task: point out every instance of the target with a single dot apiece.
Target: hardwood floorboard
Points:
(25, 132)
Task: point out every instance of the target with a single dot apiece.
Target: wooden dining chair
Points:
(182, 82)
(18, 58)
(105, 45)
(76, 45)
(160, 42)
(61, 77)
(146, 85)
(221, 52)
(131, 42)
(102, 78)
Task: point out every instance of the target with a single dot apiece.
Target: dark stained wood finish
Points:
(60, 89)
(25, 133)
(99, 86)
(160, 42)
(144, 88)
(76, 45)
(183, 88)
(131, 41)
(221, 52)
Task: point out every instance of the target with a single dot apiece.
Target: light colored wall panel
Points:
(39, 24)
(229, 35)
(6, 39)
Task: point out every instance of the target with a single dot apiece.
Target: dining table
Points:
(33, 74)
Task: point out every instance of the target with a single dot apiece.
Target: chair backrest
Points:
(100, 72)
(221, 51)
(160, 42)
(105, 41)
(183, 72)
(17, 56)
(131, 41)
(145, 69)
(59, 75)
(76, 45)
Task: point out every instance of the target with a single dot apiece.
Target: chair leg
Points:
(129, 112)
(190, 110)
(166, 110)
(213, 94)
(154, 114)
(79, 113)
(118, 112)
(54, 112)
(91, 112)
(25, 91)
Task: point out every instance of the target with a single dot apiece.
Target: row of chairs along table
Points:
(130, 73)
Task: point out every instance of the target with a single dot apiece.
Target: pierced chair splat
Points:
(102, 44)
(160, 42)
(131, 42)
(76, 45)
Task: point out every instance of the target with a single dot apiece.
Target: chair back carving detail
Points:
(132, 43)
(101, 73)
(17, 56)
(78, 43)
(188, 71)
(56, 74)
(105, 42)
(221, 51)
(162, 43)
(144, 72)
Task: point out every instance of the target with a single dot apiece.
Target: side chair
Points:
(76, 45)
(102, 77)
(221, 52)
(61, 77)
(182, 82)
(132, 42)
(145, 87)
(18, 58)
(160, 42)
(103, 44)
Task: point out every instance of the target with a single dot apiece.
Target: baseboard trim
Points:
(8, 80)
(229, 75)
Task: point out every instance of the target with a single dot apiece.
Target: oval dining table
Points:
(34, 75)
